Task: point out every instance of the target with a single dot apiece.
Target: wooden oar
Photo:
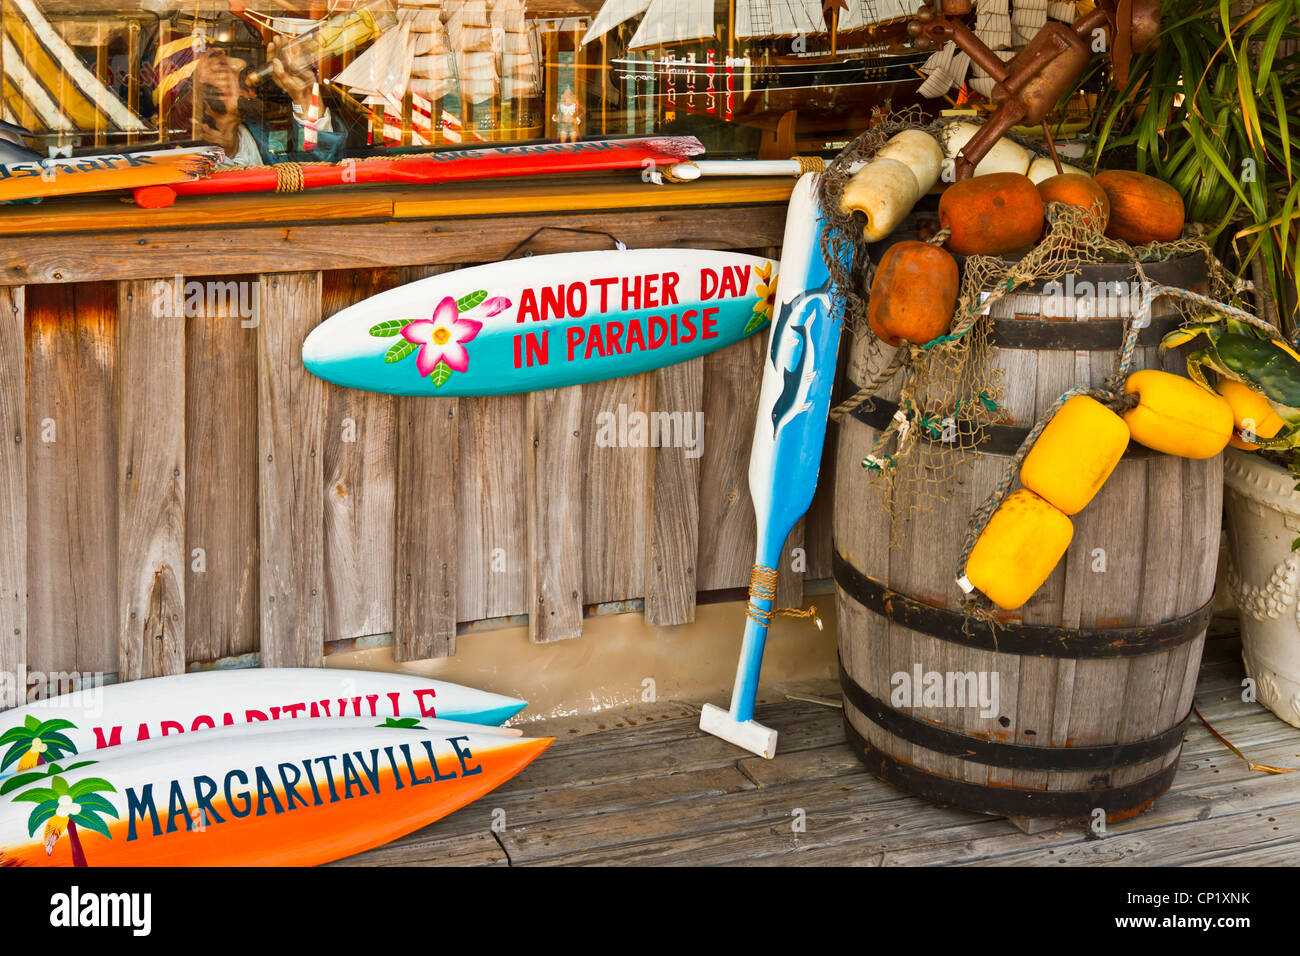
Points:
(798, 370)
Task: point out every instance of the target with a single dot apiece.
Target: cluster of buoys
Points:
(1029, 533)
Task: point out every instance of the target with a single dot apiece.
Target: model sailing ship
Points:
(473, 51)
(840, 59)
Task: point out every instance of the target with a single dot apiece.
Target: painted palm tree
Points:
(35, 742)
(62, 808)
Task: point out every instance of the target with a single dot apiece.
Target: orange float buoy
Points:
(992, 215)
(1142, 208)
(1077, 189)
(913, 293)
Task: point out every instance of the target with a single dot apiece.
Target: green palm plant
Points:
(63, 808)
(35, 742)
(1214, 110)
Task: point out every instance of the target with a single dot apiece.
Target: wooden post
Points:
(424, 606)
(290, 422)
(151, 490)
(555, 514)
(425, 560)
(13, 500)
(674, 502)
(221, 474)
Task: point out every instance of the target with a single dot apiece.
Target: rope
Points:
(762, 586)
(288, 178)
(1250, 764)
(1111, 394)
(810, 164)
(866, 392)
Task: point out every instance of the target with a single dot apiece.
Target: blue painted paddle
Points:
(798, 371)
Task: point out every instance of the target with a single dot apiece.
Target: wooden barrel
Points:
(1088, 687)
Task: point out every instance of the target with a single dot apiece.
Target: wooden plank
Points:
(674, 521)
(484, 198)
(13, 499)
(624, 195)
(374, 245)
(360, 448)
(470, 849)
(555, 556)
(775, 807)
(221, 472)
(72, 458)
(426, 560)
(727, 526)
(492, 566)
(151, 468)
(424, 602)
(698, 752)
(291, 520)
(616, 459)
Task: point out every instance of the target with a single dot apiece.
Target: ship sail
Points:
(611, 15)
(673, 21)
(383, 69)
(469, 33)
(778, 18)
(864, 13)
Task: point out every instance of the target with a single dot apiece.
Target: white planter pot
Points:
(1264, 576)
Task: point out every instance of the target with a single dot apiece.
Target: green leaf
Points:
(15, 733)
(1295, 545)
(387, 329)
(98, 804)
(756, 322)
(54, 739)
(31, 723)
(441, 372)
(90, 785)
(36, 795)
(467, 302)
(403, 723)
(58, 723)
(14, 752)
(92, 822)
(79, 765)
(39, 816)
(58, 784)
(19, 781)
(399, 351)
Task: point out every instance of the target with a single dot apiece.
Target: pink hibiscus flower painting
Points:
(442, 339)
(439, 342)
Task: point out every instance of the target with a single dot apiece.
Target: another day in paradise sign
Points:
(544, 322)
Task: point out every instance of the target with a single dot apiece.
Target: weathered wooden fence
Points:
(175, 488)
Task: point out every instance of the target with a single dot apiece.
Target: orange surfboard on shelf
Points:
(235, 796)
(89, 174)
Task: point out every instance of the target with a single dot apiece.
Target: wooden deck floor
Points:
(651, 789)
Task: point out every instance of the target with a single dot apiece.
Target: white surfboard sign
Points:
(100, 717)
(544, 322)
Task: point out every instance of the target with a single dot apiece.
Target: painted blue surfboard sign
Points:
(544, 322)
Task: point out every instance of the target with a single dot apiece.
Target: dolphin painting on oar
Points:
(794, 354)
(793, 401)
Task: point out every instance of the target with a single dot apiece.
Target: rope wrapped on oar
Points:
(762, 587)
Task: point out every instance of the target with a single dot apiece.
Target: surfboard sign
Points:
(240, 796)
(544, 322)
(92, 719)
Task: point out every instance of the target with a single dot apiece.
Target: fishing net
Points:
(941, 396)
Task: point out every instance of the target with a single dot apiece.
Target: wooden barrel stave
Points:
(1157, 520)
